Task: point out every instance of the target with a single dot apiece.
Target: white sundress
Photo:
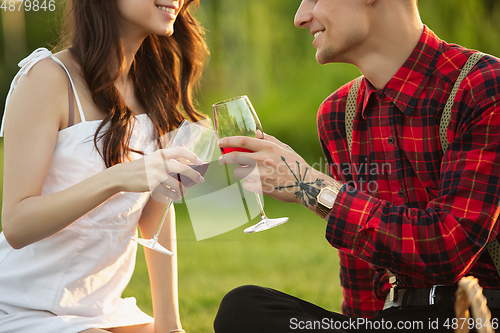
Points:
(73, 280)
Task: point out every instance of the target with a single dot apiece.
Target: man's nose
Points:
(304, 14)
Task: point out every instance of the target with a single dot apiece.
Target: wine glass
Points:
(201, 141)
(237, 117)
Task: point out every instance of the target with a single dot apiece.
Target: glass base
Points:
(265, 224)
(153, 245)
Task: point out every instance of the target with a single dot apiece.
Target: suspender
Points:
(493, 246)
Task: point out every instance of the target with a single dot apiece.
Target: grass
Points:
(294, 258)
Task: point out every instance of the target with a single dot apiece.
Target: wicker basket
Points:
(469, 295)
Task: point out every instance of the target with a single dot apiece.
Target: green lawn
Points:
(294, 258)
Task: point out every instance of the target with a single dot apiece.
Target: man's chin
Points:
(324, 58)
(320, 59)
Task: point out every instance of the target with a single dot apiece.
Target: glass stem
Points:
(157, 233)
(259, 202)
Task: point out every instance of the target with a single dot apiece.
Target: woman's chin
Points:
(169, 31)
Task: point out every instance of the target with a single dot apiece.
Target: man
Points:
(406, 217)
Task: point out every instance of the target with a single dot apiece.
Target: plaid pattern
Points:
(406, 207)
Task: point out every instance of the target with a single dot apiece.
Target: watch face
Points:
(327, 197)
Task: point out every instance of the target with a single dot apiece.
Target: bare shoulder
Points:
(46, 79)
(40, 95)
(46, 73)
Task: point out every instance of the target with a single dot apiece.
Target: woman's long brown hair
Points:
(165, 72)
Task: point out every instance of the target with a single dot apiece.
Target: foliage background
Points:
(256, 50)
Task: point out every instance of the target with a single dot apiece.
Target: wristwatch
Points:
(326, 198)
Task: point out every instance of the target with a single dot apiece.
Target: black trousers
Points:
(253, 309)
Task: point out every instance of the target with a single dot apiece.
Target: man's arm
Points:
(276, 170)
(439, 243)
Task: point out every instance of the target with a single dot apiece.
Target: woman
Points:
(75, 185)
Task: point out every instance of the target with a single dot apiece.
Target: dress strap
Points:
(71, 115)
(80, 110)
(26, 64)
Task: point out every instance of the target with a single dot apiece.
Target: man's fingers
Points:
(245, 142)
(277, 142)
(247, 172)
(237, 158)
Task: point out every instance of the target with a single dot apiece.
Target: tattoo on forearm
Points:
(307, 191)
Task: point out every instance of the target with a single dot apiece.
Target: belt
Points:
(434, 295)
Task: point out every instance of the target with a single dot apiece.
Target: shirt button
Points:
(390, 140)
(402, 193)
(381, 95)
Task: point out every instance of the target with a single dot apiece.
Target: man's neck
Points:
(394, 36)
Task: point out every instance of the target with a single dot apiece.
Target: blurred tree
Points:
(256, 50)
(14, 36)
(22, 32)
(14, 46)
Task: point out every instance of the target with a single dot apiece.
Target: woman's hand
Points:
(274, 169)
(159, 173)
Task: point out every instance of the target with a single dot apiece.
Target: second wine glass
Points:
(237, 117)
(200, 140)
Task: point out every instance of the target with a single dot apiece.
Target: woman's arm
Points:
(36, 111)
(162, 268)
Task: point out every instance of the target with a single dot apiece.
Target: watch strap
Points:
(321, 209)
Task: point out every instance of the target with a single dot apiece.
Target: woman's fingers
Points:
(187, 174)
(162, 170)
(181, 154)
(162, 193)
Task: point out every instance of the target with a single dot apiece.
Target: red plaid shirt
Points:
(407, 207)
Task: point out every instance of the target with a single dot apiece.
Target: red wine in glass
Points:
(186, 181)
(230, 150)
(237, 117)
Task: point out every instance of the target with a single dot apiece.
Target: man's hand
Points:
(274, 169)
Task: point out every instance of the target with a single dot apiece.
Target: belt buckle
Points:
(393, 291)
(432, 295)
(392, 294)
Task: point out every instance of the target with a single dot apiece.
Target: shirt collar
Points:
(405, 88)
